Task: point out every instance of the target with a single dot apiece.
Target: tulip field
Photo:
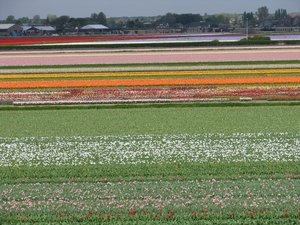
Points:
(111, 84)
(170, 143)
(213, 165)
(47, 40)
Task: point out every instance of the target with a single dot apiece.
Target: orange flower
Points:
(147, 82)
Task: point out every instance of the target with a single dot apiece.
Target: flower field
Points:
(145, 86)
(151, 149)
(243, 170)
(45, 40)
(182, 163)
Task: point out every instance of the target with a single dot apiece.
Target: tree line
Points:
(172, 19)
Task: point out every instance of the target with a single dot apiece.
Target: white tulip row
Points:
(113, 101)
(150, 149)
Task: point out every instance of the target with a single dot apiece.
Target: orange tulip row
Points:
(146, 82)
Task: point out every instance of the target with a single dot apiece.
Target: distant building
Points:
(10, 30)
(284, 22)
(162, 26)
(281, 22)
(296, 21)
(268, 22)
(198, 27)
(94, 28)
(179, 26)
(45, 29)
(38, 30)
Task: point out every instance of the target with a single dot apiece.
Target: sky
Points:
(134, 8)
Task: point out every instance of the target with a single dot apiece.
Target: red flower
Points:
(170, 215)
(133, 212)
(286, 215)
(144, 212)
(108, 217)
(251, 214)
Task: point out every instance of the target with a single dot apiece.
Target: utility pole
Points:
(246, 28)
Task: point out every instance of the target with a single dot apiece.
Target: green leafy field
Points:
(147, 164)
(81, 121)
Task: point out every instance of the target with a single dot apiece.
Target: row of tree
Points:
(65, 22)
(262, 14)
(281, 13)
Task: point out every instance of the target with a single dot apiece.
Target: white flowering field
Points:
(126, 170)
(150, 149)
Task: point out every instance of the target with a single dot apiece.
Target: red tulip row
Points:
(39, 40)
(157, 94)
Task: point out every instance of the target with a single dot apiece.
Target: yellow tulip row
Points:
(152, 73)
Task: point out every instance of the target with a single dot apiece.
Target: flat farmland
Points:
(189, 152)
(118, 165)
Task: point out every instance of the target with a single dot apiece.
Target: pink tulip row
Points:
(163, 94)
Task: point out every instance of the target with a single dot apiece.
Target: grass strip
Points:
(149, 105)
(156, 64)
(140, 172)
(149, 119)
(159, 217)
(154, 73)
